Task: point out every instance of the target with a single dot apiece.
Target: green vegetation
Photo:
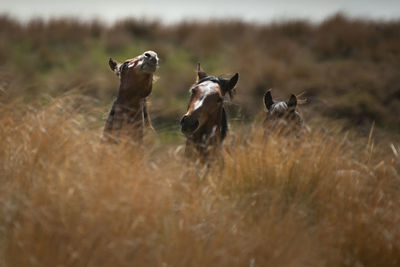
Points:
(349, 69)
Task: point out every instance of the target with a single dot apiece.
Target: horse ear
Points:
(200, 73)
(113, 66)
(228, 85)
(233, 81)
(268, 102)
(292, 103)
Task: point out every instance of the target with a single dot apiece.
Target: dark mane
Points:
(224, 125)
(212, 79)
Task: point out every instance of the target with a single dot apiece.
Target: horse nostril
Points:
(195, 125)
(183, 119)
(147, 55)
(189, 124)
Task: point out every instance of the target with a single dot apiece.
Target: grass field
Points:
(329, 198)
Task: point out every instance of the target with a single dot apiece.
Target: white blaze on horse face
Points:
(132, 64)
(207, 88)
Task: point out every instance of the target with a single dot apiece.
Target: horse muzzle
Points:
(150, 62)
(189, 125)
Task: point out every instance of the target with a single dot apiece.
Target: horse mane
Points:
(224, 124)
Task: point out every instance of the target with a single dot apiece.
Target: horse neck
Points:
(134, 93)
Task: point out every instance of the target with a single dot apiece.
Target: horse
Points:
(282, 115)
(205, 122)
(128, 115)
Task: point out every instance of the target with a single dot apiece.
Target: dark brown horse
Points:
(281, 115)
(205, 124)
(128, 114)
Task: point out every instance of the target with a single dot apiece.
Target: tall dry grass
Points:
(326, 199)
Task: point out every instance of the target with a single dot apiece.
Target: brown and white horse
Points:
(282, 116)
(128, 114)
(205, 124)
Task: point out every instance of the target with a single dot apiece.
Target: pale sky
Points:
(172, 11)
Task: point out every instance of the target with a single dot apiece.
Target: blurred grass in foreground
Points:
(327, 199)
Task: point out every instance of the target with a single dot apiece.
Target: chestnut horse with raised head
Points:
(282, 115)
(205, 124)
(128, 114)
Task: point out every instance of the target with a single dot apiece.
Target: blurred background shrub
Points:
(347, 68)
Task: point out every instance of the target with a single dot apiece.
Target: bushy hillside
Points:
(349, 69)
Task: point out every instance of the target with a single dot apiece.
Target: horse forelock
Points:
(279, 108)
(209, 78)
(218, 80)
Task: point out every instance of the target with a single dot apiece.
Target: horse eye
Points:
(220, 99)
